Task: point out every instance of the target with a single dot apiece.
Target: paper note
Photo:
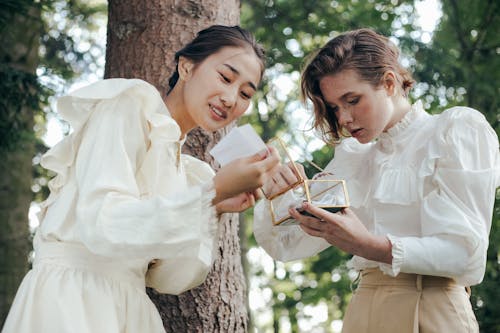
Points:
(240, 142)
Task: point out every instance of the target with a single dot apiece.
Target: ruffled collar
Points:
(408, 118)
(387, 139)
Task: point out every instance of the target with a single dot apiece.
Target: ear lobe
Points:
(185, 68)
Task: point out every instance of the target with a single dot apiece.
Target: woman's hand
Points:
(238, 203)
(244, 175)
(282, 176)
(345, 231)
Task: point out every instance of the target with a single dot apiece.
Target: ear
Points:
(389, 82)
(185, 68)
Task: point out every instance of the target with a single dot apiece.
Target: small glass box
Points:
(323, 191)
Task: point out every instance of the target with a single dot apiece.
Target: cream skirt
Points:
(72, 290)
(408, 303)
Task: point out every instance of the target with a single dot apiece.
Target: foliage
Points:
(68, 49)
(62, 57)
(461, 64)
(20, 90)
(8, 8)
(486, 296)
(69, 46)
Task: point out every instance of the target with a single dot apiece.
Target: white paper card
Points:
(240, 142)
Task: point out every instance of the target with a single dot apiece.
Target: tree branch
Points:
(456, 21)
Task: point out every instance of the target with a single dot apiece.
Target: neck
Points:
(401, 107)
(177, 108)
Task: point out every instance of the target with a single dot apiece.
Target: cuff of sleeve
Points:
(397, 257)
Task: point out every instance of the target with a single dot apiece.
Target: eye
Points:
(354, 100)
(225, 78)
(246, 95)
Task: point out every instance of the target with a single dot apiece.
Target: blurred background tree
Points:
(44, 43)
(455, 63)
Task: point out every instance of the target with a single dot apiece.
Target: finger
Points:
(272, 151)
(269, 162)
(249, 199)
(258, 194)
(261, 155)
(314, 223)
(348, 212)
(288, 175)
(280, 181)
(311, 231)
(310, 221)
(296, 214)
(267, 188)
(299, 167)
(321, 214)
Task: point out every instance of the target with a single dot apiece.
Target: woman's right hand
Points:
(245, 174)
(282, 177)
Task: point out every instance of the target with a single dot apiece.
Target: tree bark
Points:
(142, 40)
(21, 55)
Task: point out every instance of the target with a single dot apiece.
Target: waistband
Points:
(373, 277)
(77, 256)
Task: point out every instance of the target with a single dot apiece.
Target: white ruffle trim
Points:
(397, 257)
(77, 107)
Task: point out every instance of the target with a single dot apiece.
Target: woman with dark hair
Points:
(127, 209)
(422, 190)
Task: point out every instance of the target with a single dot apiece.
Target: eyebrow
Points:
(234, 70)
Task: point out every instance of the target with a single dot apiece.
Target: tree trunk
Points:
(20, 57)
(142, 40)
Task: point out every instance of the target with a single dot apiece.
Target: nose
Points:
(344, 116)
(228, 97)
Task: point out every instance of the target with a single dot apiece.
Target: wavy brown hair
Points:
(366, 52)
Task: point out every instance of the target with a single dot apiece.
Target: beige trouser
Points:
(408, 303)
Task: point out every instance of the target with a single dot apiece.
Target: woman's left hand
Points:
(345, 231)
(238, 203)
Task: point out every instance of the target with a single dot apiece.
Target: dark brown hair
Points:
(211, 40)
(366, 52)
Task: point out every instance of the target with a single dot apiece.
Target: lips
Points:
(218, 112)
(355, 133)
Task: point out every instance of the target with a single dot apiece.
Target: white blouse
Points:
(124, 190)
(428, 184)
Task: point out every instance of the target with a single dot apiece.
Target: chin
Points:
(213, 127)
(365, 139)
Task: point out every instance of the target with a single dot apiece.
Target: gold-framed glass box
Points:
(323, 190)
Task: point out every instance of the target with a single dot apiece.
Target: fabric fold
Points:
(77, 107)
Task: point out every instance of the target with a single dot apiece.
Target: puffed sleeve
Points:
(284, 243)
(121, 148)
(179, 273)
(456, 215)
